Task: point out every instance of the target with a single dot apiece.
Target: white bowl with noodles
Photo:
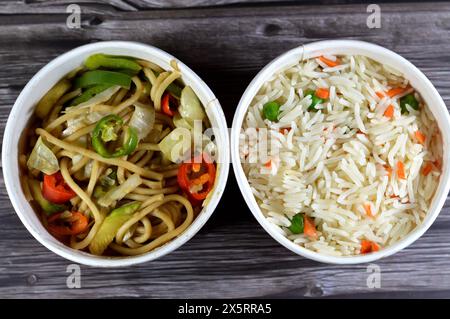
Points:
(50, 75)
(345, 47)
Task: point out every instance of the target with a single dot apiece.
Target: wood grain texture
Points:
(232, 256)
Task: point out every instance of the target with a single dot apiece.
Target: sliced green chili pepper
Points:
(271, 111)
(314, 100)
(101, 77)
(297, 224)
(89, 93)
(410, 100)
(111, 62)
(105, 130)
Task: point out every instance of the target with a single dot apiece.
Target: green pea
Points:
(271, 111)
(314, 100)
(297, 224)
(410, 100)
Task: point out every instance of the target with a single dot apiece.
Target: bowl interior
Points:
(345, 47)
(42, 82)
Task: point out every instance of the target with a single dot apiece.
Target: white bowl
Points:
(42, 82)
(345, 47)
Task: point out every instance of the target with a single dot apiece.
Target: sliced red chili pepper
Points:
(55, 190)
(199, 172)
(62, 225)
(167, 101)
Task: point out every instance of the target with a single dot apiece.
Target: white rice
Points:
(330, 164)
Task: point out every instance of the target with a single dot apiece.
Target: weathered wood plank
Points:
(232, 256)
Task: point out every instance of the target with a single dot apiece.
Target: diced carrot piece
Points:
(368, 209)
(401, 170)
(268, 164)
(323, 93)
(368, 246)
(380, 94)
(309, 229)
(420, 137)
(395, 91)
(427, 169)
(389, 112)
(329, 62)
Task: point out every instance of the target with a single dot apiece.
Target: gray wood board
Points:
(232, 256)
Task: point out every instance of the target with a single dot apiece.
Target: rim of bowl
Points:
(417, 79)
(47, 73)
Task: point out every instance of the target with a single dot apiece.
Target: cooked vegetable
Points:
(119, 192)
(427, 169)
(101, 77)
(368, 246)
(323, 93)
(196, 177)
(67, 223)
(176, 144)
(94, 95)
(180, 121)
(400, 170)
(389, 112)
(106, 131)
(271, 110)
(314, 100)
(408, 100)
(395, 91)
(111, 225)
(142, 119)
(420, 137)
(309, 228)
(109, 179)
(56, 190)
(49, 208)
(329, 62)
(111, 62)
(42, 158)
(380, 94)
(168, 104)
(190, 107)
(49, 100)
(174, 90)
(297, 225)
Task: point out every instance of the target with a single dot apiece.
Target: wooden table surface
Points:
(226, 42)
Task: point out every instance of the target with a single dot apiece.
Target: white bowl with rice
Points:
(357, 167)
(46, 79)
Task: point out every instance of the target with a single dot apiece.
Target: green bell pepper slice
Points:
(89, 93)
(104, 132)
(102, 77)
(112, 62)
